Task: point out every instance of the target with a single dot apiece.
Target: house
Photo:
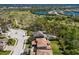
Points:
(40, 44)
(51, 37)
(53, 12)
(3, 43)
(33, 43)
(44, 52)
(39, 34)
(60, 12)
(0, 30)
(43, 34)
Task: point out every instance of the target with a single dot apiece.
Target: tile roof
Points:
(44, 52)
(41, 42)
(43, 46)
(33, 42)
(48, 47)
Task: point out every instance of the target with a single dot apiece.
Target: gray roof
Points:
(39, 34)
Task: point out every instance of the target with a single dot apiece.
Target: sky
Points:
(39, 1)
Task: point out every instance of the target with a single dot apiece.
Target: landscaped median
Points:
(11, 42)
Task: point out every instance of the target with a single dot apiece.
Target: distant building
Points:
(53, 12)
(60, 12)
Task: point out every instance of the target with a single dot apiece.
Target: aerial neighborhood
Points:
(33, 29)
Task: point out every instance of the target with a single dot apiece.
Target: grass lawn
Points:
(55, 47)
(11, 42)
(4, 52)
(28, 45)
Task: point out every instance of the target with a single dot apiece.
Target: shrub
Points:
(11, 42)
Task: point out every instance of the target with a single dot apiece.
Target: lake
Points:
(72, 13)
(40, 13)
(66, 13)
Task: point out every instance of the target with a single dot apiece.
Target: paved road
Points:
(20, 35)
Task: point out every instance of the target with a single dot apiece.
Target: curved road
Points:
(20, 35)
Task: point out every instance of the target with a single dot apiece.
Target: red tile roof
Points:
(41, 42)
(33, 42)
(44, 52)
(49, 47)
(43, 46)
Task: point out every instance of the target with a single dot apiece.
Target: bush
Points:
(4, 52)
(55, 47)
(11, 42)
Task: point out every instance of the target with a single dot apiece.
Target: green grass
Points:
(55, 48)
(11, 42)
(28, 45)
(4, 52)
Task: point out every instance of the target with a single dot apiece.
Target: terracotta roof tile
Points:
(44, 52)
(33, 42)
(41, 42)
(49, 47)
(43, 46)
